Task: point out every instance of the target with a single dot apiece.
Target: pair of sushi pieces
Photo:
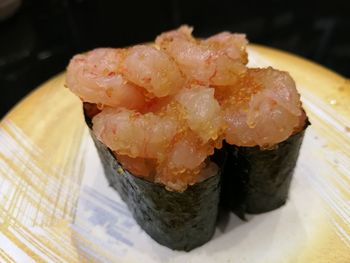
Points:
(184, 125)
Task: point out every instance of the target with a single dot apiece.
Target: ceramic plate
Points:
(56, 206)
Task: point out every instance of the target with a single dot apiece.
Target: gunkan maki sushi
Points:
(265, 127)
(178, 220)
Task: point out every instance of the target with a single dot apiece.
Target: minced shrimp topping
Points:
(163, 108)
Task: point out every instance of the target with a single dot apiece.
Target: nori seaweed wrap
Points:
(178, 220)
(257, 180)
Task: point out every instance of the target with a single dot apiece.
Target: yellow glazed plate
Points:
(56, 206)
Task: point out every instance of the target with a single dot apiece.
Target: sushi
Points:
(263, 139)
(174, 123)
(180, 221)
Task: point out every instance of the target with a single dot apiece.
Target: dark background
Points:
(37, 41)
